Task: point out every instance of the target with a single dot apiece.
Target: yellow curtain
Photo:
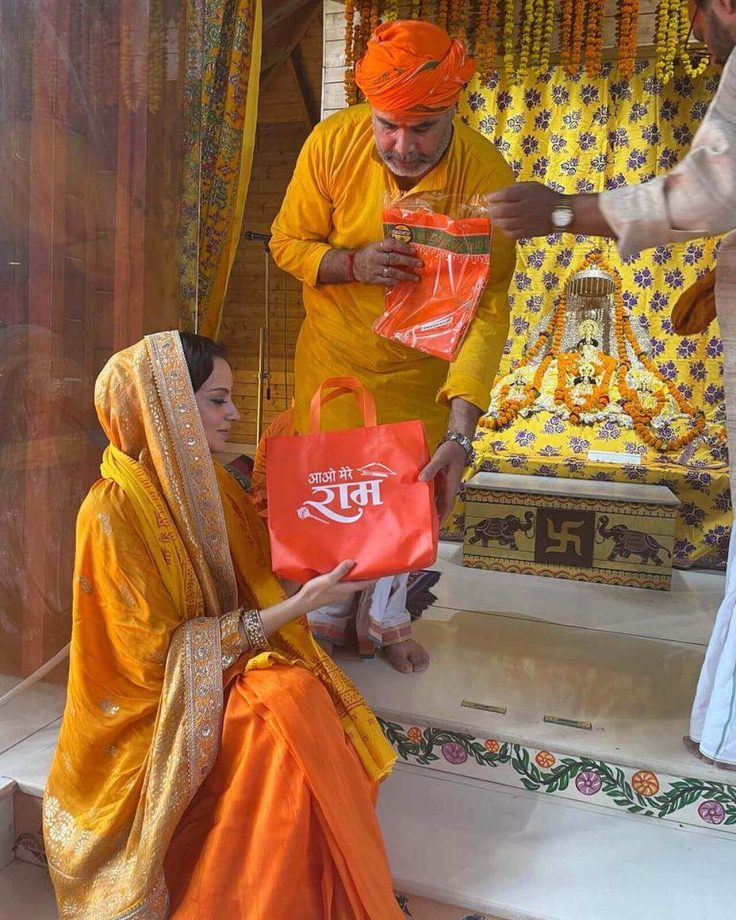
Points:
(226, 37)
(586, 134)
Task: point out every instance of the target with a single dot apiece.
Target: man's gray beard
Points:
(426, 163)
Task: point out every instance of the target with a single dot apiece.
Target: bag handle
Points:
(341, 386)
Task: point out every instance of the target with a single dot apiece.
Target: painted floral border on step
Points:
(702, 803)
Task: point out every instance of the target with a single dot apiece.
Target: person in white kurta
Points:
(697, 198)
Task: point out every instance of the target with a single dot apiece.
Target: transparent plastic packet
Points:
(453, 238)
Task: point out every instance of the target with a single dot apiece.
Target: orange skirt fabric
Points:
(284, 826)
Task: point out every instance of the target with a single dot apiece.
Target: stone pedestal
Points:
(608, 532)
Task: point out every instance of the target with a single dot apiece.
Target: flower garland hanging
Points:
(443, 7)
(667, 35)
(632, 403)
(362, 31)
(457, 22)
(595, 10)
(526, 39)
(577, 37)
(351, 91)
(692, 70)
(551, 337)
(487, 45)
(374, 18)
(548, 24)
(627, 16)
(592, 377)
(566, 11)
(573, 366)
(508, 42)
(390, 12)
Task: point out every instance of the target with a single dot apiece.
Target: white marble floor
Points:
(684, 614)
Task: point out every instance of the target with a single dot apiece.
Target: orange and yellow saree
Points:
(190, 778)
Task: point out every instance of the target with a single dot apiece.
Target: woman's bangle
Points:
(351, 259)
(254, 632)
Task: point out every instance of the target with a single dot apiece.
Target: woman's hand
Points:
(329, 589)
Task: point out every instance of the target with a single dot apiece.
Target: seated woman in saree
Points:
(212, 759)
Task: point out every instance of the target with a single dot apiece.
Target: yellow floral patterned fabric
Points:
(224, 63)
(586, 134)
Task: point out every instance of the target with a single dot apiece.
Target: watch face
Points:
(562, 217)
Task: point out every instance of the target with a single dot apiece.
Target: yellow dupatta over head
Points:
(156, 541)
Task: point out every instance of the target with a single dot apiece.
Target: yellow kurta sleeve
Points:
(302, 226)
(471, 374)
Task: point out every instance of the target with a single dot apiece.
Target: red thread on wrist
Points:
(351, 273)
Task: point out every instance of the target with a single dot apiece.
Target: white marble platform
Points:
(684, 614)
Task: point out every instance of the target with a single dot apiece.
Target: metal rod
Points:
(267, 308)
(260, 378)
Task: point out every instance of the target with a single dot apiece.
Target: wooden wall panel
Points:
(283, 126)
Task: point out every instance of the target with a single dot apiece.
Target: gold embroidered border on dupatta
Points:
(120, 877)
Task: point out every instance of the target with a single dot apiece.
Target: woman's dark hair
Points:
(200, 353)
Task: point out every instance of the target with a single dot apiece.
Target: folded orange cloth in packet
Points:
(434, 314)
(696, 306)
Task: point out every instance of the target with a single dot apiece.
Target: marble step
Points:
(7, 834)
(518, 856)
(26, 893)
(581, 714)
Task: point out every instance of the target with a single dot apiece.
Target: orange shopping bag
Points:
(350, 494)
(434, 314)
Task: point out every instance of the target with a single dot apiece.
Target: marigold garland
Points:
(374, 18)
(526, 41)
(457, 23)
(604, 365)
(487, 46)
(627, 16)
(508, 42)
(390, 12)
(595, 10)
(692, 70)
(568, 365)
(566, 16)
(443, 9)
(577, 37)
(667, 33)
(545, 52)
(351, 91)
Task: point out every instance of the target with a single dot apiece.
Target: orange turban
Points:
(413, 67)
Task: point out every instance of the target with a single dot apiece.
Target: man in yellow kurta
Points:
(329, 234)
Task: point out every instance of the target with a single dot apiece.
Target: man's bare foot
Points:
(407, 656)
(694, 748)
